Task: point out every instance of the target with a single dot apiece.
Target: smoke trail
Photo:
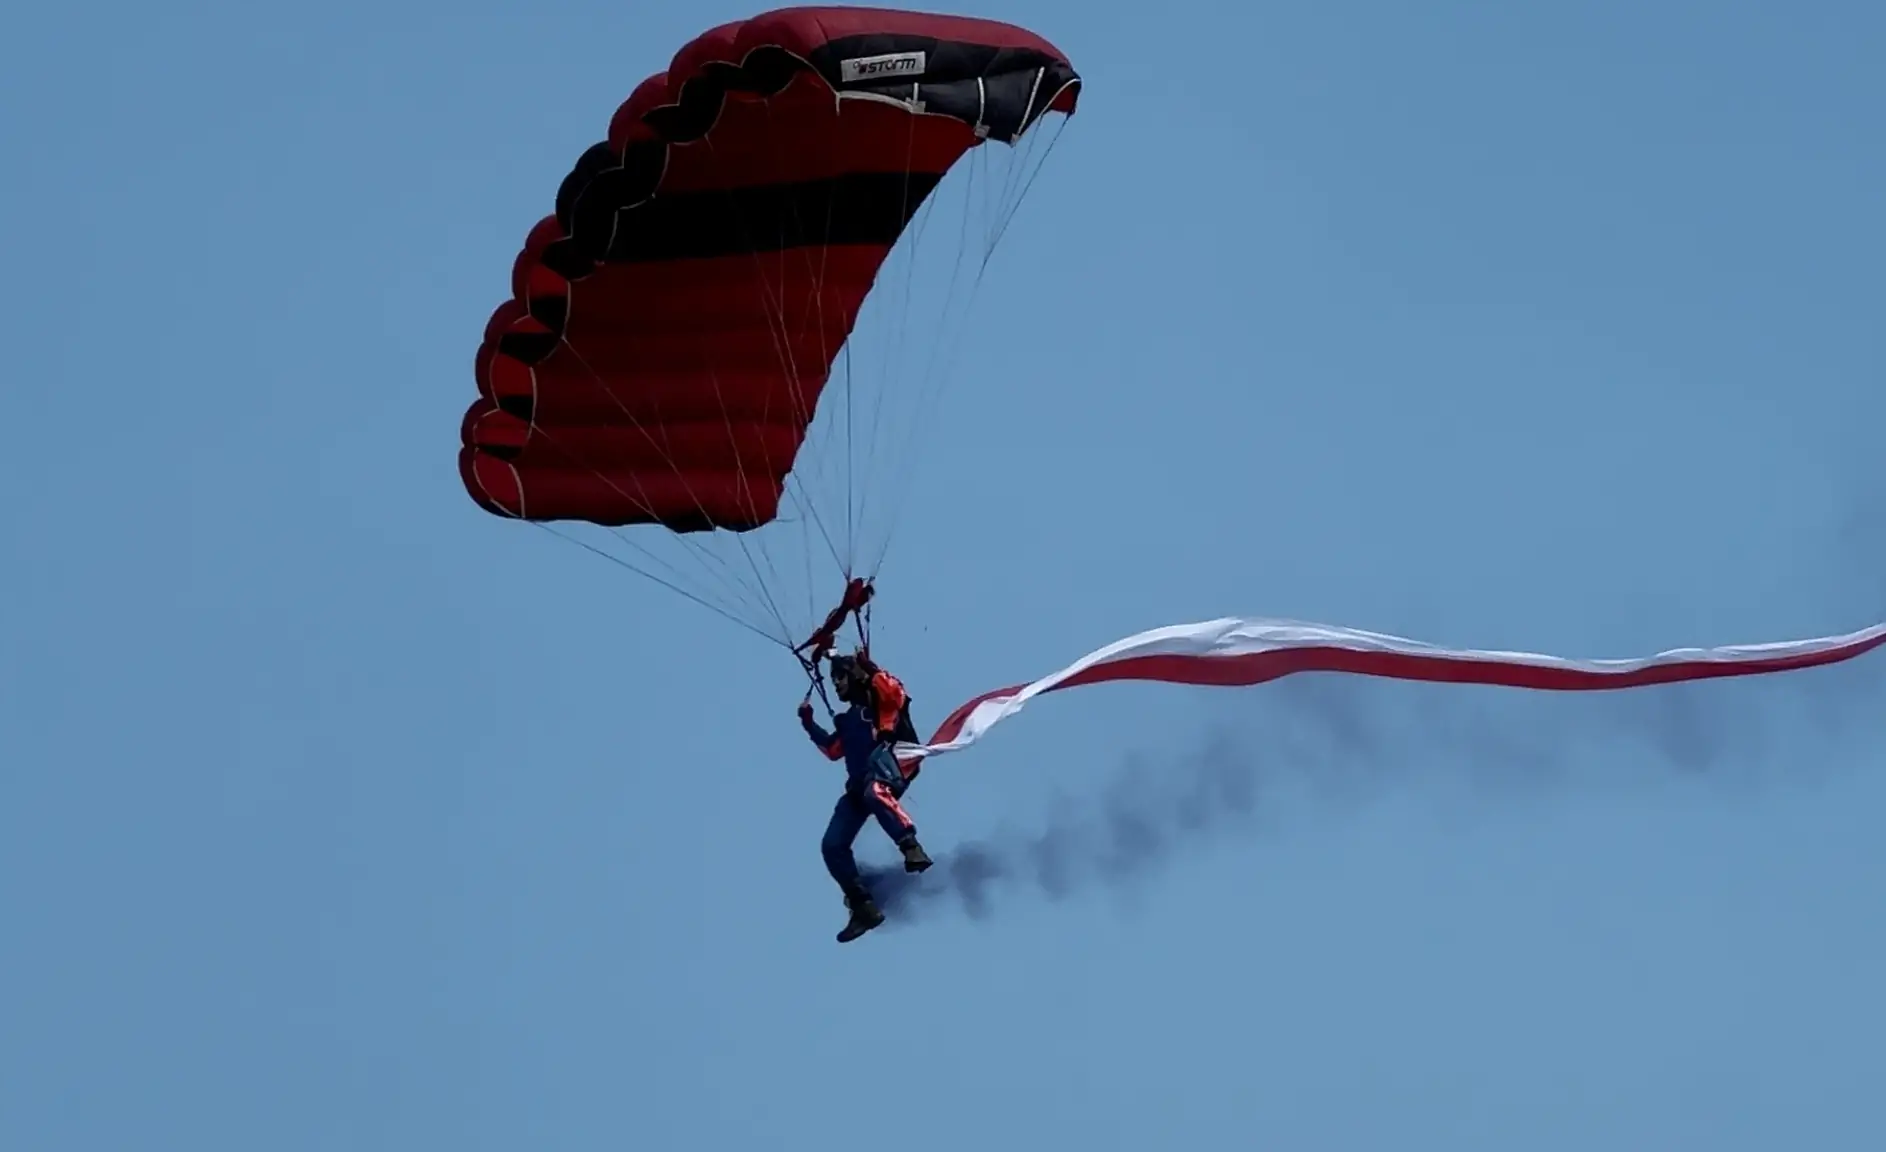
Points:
(1151, 807)
(1141, 816)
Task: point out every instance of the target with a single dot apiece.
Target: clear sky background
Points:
(338, 814)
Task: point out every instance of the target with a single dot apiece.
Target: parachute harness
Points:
(856, 604)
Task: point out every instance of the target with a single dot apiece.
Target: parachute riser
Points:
(855, 605)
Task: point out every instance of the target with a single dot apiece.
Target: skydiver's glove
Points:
(805, 709)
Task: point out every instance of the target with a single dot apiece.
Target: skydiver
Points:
(878, 717)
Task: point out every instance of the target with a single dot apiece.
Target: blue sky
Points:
(339, 814)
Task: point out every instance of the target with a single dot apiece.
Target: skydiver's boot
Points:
(864, 916)
(915, 858)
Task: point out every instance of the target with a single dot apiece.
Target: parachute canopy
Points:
(673, 325)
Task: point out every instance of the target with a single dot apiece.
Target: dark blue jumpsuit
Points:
(874, 784)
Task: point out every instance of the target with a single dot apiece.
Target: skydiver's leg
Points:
(848, 817)
(884, 799)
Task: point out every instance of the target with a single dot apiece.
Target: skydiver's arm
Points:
(890, 697)
(825, 741)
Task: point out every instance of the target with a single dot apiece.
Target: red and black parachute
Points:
(674, 323)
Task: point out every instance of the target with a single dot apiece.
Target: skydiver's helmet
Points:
(848, 675)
